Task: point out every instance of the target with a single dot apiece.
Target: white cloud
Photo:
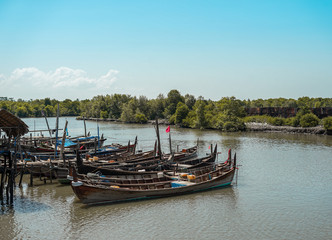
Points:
(31, 75)
(63, 81)
(107, 80)
(2, 79)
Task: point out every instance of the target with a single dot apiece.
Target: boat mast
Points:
(158, 138)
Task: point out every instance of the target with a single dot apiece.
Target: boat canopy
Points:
(68, 143)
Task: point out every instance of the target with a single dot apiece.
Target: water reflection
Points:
(155, 217)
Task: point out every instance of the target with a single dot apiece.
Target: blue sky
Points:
(247, 49)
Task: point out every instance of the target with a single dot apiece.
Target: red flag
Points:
(168, 129)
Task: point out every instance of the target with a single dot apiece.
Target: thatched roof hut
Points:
(12, 125)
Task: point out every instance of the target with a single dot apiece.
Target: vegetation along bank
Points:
(228, 114)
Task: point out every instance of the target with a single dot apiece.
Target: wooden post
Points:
(17, 141)
(11, 179)
(31, 175)
(3, 178)
(21, 177)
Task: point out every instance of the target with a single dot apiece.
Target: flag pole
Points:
(158, 138)
(170, 143)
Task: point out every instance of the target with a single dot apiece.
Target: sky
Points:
(69, 49)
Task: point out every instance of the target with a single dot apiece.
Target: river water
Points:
(283, 191)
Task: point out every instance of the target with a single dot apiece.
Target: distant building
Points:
(287, 111)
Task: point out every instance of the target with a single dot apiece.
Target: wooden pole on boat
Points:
(95, 144)
(128, 146)
(79, 161)
(98, 135)
(56, 133)
(234, 161)
(135, 144)
(215, 151)
(158, 138)
(63, 143)
(155, 149)
(84, 126)
(48, 127)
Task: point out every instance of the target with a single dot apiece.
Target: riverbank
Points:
(250, 127)
(264, 127)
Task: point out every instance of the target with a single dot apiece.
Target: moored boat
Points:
(90, 192)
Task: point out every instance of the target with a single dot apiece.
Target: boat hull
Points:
(95, 194)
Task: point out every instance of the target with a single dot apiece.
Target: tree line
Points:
(227, 114)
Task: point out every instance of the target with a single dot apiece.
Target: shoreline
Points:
(264, 127)
(250, 127)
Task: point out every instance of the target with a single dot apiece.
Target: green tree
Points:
(140, 118)
(116, 104)
(103, 114)
(47, 101)
(173, 98)
(50, 111)
(309, 120)
(157, 107)
(22, 111)
(181, 112)
(189, 100)
(129, 111)
(143, 105)
(200, 114)
(327, 123)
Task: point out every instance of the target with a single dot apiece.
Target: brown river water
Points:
(283, 191)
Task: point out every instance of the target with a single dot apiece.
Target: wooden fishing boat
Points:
(112, 149)
(109, 169)
(186, 153)
(90, 192)
(141, 177)
(147, 164)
